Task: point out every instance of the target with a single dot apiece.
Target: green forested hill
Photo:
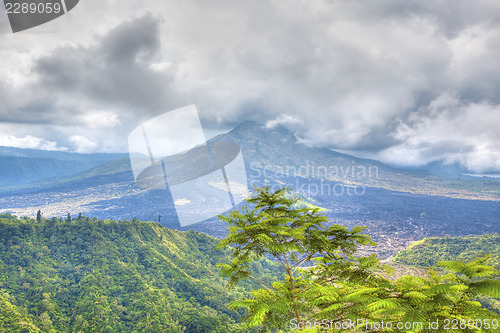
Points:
(86, 275)
(429, 251)
(11, 318)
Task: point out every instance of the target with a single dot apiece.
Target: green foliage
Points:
(443, 298)
(13, 319)
(7, 216)
(429, 251)
(323, 281)
(296, 237)
(89, 275)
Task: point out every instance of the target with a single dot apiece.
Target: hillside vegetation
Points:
(13, 319)
(429, 251)
(89, 275)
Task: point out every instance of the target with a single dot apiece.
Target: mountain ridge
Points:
(277, 148)
(61, 155)
(28, 167)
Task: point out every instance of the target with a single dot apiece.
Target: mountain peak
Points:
(258, 130)
(248, 125)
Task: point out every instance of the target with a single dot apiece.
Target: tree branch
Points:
(303, 260)
(261, 282)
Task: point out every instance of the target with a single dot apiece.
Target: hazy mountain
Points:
(280, 151)
(21, 166)
(60, 155)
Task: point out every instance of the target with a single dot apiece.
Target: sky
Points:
(404, 82)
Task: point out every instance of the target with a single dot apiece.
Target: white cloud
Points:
(83, 144)
(100, 119)
(450, 130)
(182, 202)
(283, 119)
(28, 141)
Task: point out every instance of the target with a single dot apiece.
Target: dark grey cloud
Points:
(85, 92)
(319, 66)
(114, 71)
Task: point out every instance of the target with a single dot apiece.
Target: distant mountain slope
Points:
(113, 167)
(19, 170)
(429, 251)
(20, 167)
(92, 275)
(60, 155)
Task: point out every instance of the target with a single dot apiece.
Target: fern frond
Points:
(486, 287)
(387, 303)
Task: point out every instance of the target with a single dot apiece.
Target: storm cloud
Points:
(114, 71)
(406, 82)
